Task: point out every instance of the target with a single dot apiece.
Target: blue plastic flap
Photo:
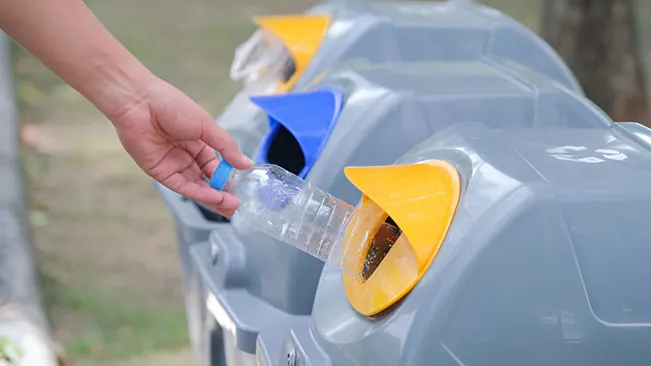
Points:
(308, 116)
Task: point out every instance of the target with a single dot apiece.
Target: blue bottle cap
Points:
(221, 175)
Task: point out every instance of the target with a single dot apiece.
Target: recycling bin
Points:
(259, 288)
(356, 45)
(519, 246)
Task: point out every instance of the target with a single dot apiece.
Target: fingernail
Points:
(248, 161)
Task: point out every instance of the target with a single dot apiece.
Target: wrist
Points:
(117, 86)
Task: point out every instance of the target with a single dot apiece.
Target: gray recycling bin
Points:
(477, 45)
(257, 287)
(544, 260)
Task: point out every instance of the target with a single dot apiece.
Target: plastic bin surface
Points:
(378, 32)
(407, 70)
(544, 264)
(388, 109)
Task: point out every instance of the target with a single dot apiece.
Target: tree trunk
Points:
(598, 39)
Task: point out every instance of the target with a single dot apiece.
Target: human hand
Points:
(173, 140)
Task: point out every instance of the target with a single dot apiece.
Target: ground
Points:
(105, 241)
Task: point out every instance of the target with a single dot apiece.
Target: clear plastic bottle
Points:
(262, 62)
(287, 208)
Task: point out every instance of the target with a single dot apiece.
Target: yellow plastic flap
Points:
(301, 33)
(421, 199)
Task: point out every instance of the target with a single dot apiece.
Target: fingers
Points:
(209, 168)
(200, 191)
(207, 161)
(227, 206)
(218, 139)
(203, 155)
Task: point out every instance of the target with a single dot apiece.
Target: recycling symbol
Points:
(584, 155)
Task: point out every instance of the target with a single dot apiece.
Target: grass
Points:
(105, 242)
(121, 327)
(109, 273)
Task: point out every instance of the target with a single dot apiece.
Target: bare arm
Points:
(166, 133)
(68, 39)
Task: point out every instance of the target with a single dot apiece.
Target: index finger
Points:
(218, 139)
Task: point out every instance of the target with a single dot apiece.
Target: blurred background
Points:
(104, 240)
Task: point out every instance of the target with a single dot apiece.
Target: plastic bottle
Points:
(261, 64)
(287, 208)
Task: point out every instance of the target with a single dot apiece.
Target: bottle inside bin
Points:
(261, 63)
(290, 209)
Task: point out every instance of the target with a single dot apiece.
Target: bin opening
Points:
(285, 151)
(301, 35)
(300, 124)
(421, 198)
(379, 247)
(289, 70)
(263, 62)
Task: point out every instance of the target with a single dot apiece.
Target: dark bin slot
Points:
(380, 246)
(289, 70)
(211, 215)
(285, 151)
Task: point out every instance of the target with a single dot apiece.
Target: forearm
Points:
(68, 39)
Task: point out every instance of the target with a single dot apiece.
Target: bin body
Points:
(407, 70)
(389, 108)
(544, 263)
